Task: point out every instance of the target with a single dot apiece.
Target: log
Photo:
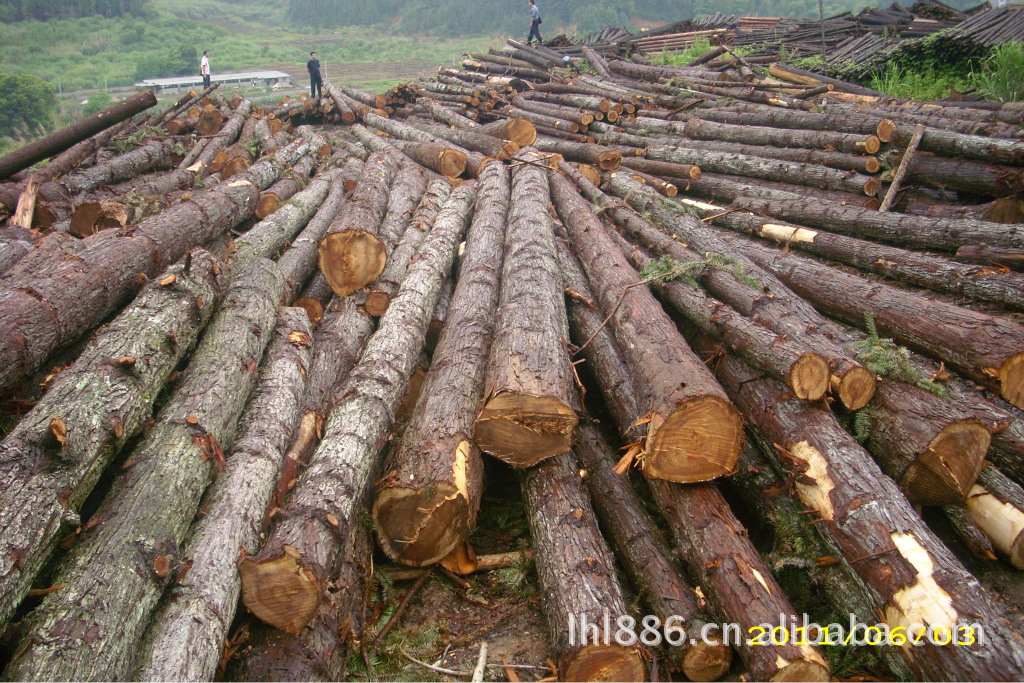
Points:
(224, 135)
(644, 553)
(517, 130)
(291, 182)
(301, 256)
(996, 504)
(313, 299)
(283, 584)
(210, 121)
(385, 287)
(597, 62)
(901, 171)
(451, 163)
(695, 433)
(969, 532)
(74, 303)
(577, 576)
(407, 190)
(685, 172)
(472, 140)
(851, 143)
(526, 414)
(604, 158)
(127, 202)
(77, 132)
(152, 503)
(428, 498)
(886, 543)
(352, 255)
(185, 638)
(974, 177)
(984, 254)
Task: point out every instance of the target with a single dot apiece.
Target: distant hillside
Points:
(43, 10)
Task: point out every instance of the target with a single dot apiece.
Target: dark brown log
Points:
(128, 202)
(577, 576)
(451, 163)
(301, 256)
(313, 299)
(210, 121)
(685, 172)
(385, 287)
(51, 302)
(284, 583)
(962, 145)
(520, 131)
(77, 132)
(152, 502)
(470, 139)
(996, 504)
(699, 129)
(885, 542)
(695, 433)
(224, 136)
(429, 495)
(983, 254)
(969, 532)
(186, 636)
(602, 157)
(641, 548)
(351, 253)
(291, 182)
(526, 414)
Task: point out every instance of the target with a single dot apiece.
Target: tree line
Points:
(43, 10)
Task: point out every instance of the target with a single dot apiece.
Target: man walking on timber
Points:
(315, 81)
(204, 69)
(534, 24)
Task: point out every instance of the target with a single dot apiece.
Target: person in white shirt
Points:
(204, 69)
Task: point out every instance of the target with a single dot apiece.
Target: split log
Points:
(577, 576)
(283, 584)
(301, 256)
(996, 504)
(695, 433)
(451, 163)
(604, 158)
(291, 182)
(526, 414)
(185, 638)
(643, 551)
(886, 543)
(429, 495)
(77, 132)
(385, 287)
(351, 253)
(74, 303)
(152, 503)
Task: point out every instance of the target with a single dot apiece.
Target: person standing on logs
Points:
(315, 81)
(204, 69)
(534, 24)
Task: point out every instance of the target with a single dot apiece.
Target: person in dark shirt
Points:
(534, 24)
(315, 81)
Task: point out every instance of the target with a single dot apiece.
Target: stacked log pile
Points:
(764, 279)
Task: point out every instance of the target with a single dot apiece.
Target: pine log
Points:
(451, 163)
(444, 114)
(77, 132)
(577, 576)
(427, 500)
(283, 584)
(74, 301)
(127, 202)
(558, 111)
(407, 190)
(661, 186)
(517, 130)
(223, 136)
(526, 414)
(604, 158)
(643, 551)
(969, 532)
(685, 172)
(437, 318)
(783, 311)
(291, 182)
(996, 504)
(153, 501)
(185, 638)
(300, 258)
(852, 143)
(472, 140)
(597, 62)
(545, 120)
(885, 541)
(210, 121)
(352, 255)
(984, 254)
(759, 115)
(963, 146)
(313, 299)
(695, 433)
(11, 251)
(385, 287)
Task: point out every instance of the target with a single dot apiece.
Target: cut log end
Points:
(522, 430)
(809, 377)
(279, 591)
(236, 165)
(351, 259)
(871, 186)
(802, 670)
(699, 441)
(706, 661)
(609, 160)
(695, 173)
(90, 217)
(1011, 379)
(855, 387)
(605, 663)
(872, 144)
(948, 469)
(590, 173)
(268, 203)
(313, 308)
(418, 527)
(521, 131)
(884, 130)
(507, 151)
(1007, 210)
(872, 165)
(453, 163)
(377, 303)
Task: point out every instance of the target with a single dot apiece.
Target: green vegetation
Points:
(926, 81)
(27, 104)
(699, 47)
(98, 101)
(1002, 77)
(41, 10)
(883, 356)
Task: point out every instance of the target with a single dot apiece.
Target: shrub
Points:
(1003, 75)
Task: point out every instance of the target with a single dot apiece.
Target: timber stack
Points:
(234, 339)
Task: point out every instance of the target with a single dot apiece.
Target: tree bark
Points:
(300, 258)
(986, 255)
(107, 597)
(884, 541)
(428, 498)
(472, 140)
(851, 143)
(685, 172)
(129, 202)
(223, 136)
(526, 414)
(186, 636)
(352, 254)
(577, 576)
(80, 130)
(56, 300)
(283, 584)
(520, 131)
(996, 504)
(291, 182)
(963, 146)
(385, 287)
(969, 532)
(695, 433)
(449, 162)
(604, 158)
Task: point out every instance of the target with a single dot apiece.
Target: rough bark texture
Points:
(429, 495)
(352, 254)
(283, 585)
(451, 163)
(699, 129)
(604, 158)
(90, 629)
(695, 433)
(300, 259)
(185, 639)
(291, 182)
(577, 576)
(55, 300)
(223, 135)
(526, 415)
(127, 202)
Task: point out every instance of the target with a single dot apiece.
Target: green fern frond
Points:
(861, 425)
(885, 357)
